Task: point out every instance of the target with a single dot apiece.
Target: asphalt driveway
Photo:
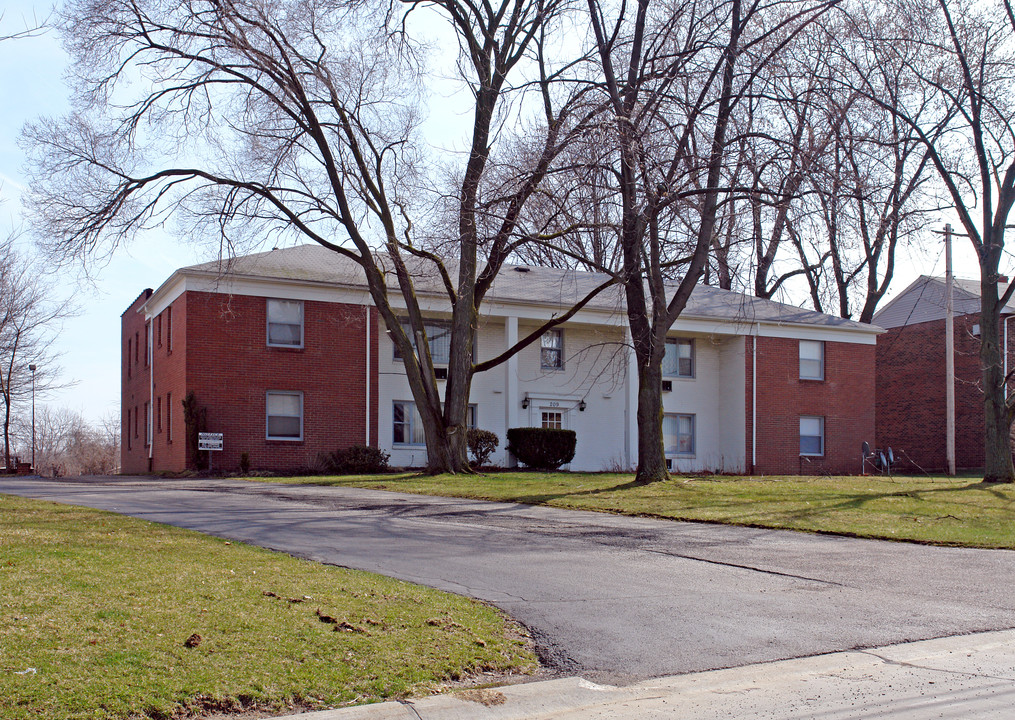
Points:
(612, 598)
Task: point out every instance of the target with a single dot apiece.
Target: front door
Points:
(554, 417)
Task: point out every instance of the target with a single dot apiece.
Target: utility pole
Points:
(33, 367)
(949, 356)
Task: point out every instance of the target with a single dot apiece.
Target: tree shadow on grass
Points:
(547, 498)
(858, 501)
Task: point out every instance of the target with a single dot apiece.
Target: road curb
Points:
(971, 672)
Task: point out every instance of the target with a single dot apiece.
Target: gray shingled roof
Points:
(924, 301)
(548, 287)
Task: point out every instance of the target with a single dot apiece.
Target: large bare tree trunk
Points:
(651, 447)
(997, 460)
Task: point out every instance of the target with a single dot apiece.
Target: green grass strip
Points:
(96, 611)
(945, 511)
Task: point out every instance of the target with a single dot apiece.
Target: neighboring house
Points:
(911, 384)
(286, 357)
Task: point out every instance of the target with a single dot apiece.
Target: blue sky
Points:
(32, 85)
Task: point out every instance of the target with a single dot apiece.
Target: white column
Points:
(631, 403)
(512, 401)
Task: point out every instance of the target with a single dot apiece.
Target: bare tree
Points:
(957, 59)
(301, 118)
(30, 317)
(66, 444)
(28, 29)
(673, 76)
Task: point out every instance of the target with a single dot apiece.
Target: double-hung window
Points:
(812, 435)
(678, 361)
(284, 413)
(438, 337)
(407, 425)
(285, 323)
(812, 360)
(551, 350)
(678, 434)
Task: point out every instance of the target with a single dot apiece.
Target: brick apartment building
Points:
(911, 386)
(283, 354)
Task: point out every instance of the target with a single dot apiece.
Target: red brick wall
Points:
(845, 399)
(229, 367)
(911, 395)
(134, 381)
(170, 444)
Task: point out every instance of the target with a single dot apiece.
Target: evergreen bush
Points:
(543, 448)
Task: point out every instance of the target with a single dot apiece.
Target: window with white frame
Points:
(438, 337)
(551, 349)
(407, 425)
(678, 361)
(678, 434)
(285, 323)
(284, 413)
(552, 419)
(812, 360)
(812, 435)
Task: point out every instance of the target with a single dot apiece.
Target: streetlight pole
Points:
(33, 367)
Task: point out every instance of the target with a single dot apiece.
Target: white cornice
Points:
(183, 281)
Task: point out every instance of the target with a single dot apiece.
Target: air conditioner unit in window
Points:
(667, 386)
(440, 373)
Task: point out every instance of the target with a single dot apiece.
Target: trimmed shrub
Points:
(482, 443)
(543, 448)
(358, 460)
(244, 462)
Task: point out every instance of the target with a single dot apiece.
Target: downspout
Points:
(754, 399)
(367, 422)
(1005, 323)
(150, 427)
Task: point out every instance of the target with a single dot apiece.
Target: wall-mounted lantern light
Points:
(525, 402)
(581, 405)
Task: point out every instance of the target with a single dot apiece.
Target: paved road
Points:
(614, 599)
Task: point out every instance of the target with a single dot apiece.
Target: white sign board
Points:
(209, 441)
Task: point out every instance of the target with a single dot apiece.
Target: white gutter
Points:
(1005, 322)
(150, 427)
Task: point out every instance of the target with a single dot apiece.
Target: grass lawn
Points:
(96, 611)
(947, 511)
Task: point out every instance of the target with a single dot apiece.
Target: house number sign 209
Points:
(553, 403)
